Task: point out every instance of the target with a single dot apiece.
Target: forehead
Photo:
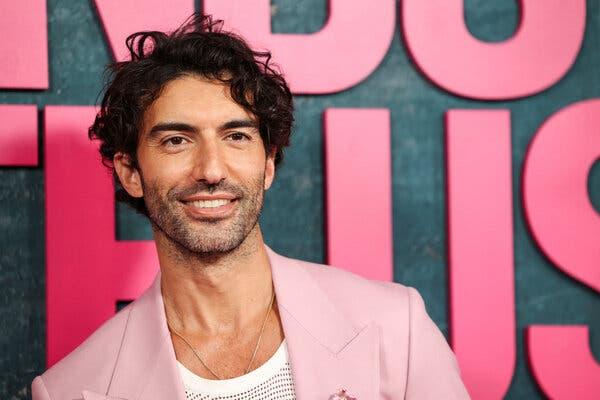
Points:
(194, 100)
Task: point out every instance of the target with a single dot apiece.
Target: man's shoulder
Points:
(91, 363)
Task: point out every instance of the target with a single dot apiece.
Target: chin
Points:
(216, 244)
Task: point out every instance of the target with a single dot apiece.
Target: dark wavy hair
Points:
(199, 47)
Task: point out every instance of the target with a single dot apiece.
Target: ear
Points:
(128, 174)
(270, 168)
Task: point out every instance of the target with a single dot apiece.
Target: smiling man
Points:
(194, 127)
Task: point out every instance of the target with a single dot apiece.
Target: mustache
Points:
(205, 188)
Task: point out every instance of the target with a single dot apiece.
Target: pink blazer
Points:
(372, 338)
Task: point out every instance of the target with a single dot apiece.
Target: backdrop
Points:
(536, 269)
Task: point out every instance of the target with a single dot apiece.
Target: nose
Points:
(209, 165)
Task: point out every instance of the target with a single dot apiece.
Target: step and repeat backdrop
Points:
(450, 145)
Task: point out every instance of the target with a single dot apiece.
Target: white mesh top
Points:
(271, 381)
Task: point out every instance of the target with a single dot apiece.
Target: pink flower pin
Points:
(341, 395)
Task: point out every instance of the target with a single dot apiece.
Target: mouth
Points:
(211, 208)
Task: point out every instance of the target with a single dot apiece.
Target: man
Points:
(193, 127)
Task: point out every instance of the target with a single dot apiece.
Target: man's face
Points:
(203, 168)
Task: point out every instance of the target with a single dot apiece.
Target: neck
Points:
(215, 293)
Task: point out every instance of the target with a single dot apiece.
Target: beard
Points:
(204, 236)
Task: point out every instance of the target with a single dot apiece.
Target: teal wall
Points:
(293, 215)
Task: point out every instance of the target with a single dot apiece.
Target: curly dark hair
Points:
(199, 47)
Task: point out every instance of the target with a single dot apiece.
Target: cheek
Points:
(166, 168)
(167, 164)
(256, 170)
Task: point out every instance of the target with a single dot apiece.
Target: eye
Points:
(174, 141)
(238, 136)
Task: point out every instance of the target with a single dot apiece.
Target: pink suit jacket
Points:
(372, 338)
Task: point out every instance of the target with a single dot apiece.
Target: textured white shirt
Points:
(271, 381)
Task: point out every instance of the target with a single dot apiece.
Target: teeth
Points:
(210, 203)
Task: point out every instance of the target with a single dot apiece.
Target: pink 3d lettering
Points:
(124, 17)
(343, 53)
(562, 362)
(358, 191)
(565, 225)
(560, 214)
(23, 45)
(18, 135)
(480, 243)
(87, 269)
(541, 52)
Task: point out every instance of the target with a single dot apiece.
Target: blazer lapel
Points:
(327, 352)
(146, 367)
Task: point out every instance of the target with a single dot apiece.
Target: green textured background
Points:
(293, 216)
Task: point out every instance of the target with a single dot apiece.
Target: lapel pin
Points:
(341, 395)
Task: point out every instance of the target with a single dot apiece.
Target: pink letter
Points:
(23, 45)
(480, 243)
(562, 362)
(358, 191)
(565, 225)
(87, 270)
(559, 211)
(541, 52)
(18, 135)
(347, 50)
(122, 18)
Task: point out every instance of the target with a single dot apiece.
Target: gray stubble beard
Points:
(186, 242)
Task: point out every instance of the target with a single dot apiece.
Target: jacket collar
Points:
(327, 351)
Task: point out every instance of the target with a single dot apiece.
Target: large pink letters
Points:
(23, 45)
(18, 135)
(87, 269)
(124, 17)
(480, 238)
(358, 191)
(562, 363)
(348, 48)
(566, 227)
(541, 52)
(559, 211)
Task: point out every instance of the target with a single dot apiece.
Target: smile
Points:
(210, 203)
(210, 209)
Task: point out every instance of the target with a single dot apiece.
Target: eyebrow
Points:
(157, 129)
(239, 123)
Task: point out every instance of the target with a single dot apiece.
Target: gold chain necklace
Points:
(173, 330)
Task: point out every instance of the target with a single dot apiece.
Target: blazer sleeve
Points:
(433, 371)
(38, 390)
